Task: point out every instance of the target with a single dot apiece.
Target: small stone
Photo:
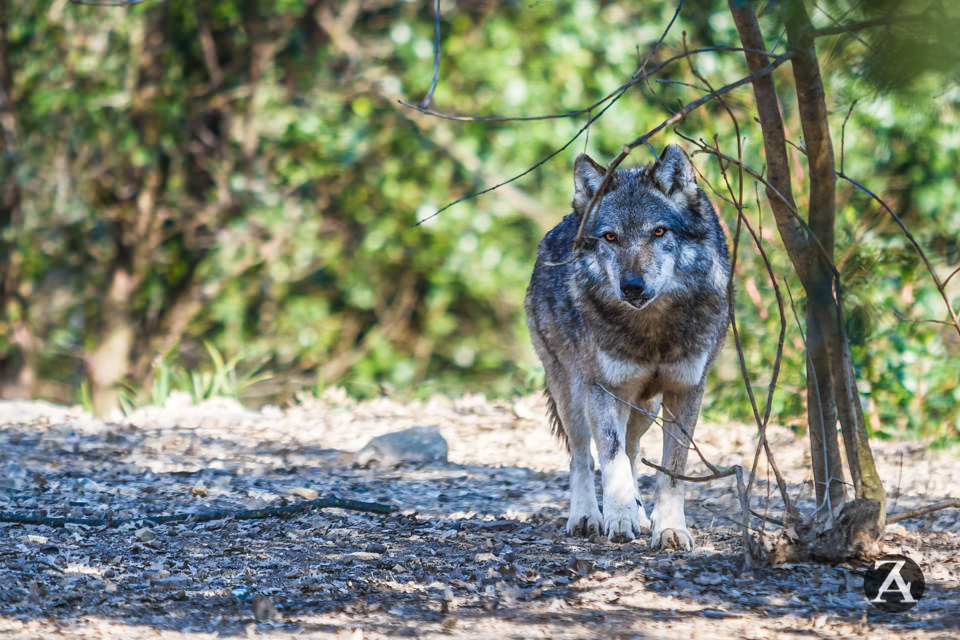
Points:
(305, 492)
(708, 578)
(145, 534)
(417, 444)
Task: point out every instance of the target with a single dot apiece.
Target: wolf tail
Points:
(556, 425)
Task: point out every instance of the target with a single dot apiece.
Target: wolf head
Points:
(654, 229)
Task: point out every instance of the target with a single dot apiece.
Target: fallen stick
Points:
(922, 511)
(205, 516)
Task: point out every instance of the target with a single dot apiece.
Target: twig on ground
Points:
(205, 516)
(767, 518)
(952, 503)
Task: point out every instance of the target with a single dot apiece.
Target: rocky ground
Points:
(475, 547)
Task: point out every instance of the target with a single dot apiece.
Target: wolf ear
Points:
(673, 175)
(587, 178)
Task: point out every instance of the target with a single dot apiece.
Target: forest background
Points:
(223, 196)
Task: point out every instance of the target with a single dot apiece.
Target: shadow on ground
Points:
(472, 550)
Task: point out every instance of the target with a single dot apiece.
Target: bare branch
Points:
(436, 55)
(761, 422)
(843, 132)
(536, 166)
(594, 203)
(952, 503)
(645, 412)
(107, 3)
(941, 285)
(903, 318)
(720, 473)
(206, 516)
(704, 148)
(852, 27)
(779, 188)
(952, 273)
(836, 21)
(638, 77)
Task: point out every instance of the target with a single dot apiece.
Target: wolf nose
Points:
(632, 286)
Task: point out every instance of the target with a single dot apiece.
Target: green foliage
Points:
(221, 378)
(248, 166)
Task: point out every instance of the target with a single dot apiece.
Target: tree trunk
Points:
(831, 385)
(109, 363)
(18, 368)
(821, 405)
(824, 302)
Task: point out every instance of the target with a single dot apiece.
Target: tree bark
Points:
(110, 361)
(824, 302)
(821, 406)
(17, 368)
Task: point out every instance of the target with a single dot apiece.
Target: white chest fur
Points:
(683, 373)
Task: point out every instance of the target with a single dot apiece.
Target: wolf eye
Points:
(659, 231)
(610, 237)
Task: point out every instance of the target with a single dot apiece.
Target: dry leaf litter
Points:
(475, 547)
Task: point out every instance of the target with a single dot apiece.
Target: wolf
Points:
(630, 322)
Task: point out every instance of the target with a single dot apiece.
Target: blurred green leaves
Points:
(249, 164)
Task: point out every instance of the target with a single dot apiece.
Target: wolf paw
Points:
(680, 539)
(622, 525)
(584, 525)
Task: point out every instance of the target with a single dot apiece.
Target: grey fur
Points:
(639, 315)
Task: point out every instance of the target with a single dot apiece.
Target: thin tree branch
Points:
(107, 3)
(952, 503)
(594, 203)
(852, 27)
(952, 273)
(720, 473)
(536, 166)
(843, 133)
(436, 55)
(649, 414)
(637, 78)
(206, 516)
(779, 188)
(941, 285)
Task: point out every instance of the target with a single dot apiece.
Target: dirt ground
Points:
(475, 549)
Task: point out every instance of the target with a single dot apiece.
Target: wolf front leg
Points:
(608, 422)
(679, 422)
(584, 518)
(638, 423)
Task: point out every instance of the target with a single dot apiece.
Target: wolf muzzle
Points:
(635, 291)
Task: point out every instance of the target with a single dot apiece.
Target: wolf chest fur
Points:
(628, 323)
